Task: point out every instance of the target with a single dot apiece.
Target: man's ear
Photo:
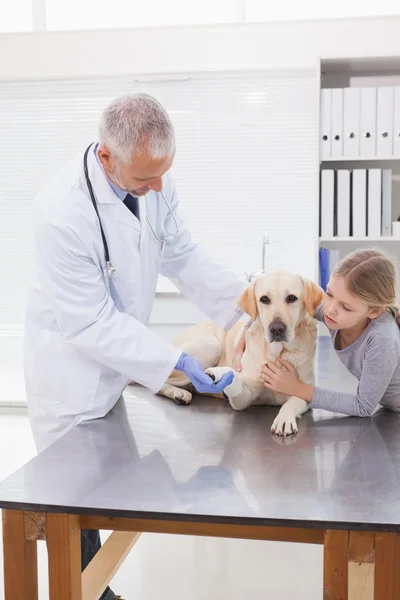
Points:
(247, 301)
(313, 296)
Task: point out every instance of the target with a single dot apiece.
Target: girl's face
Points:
(343, 310)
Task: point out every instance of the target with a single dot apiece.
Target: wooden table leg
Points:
(336, 565)
(361, 565)
(64, 550)
(387, 566)
(20, 559)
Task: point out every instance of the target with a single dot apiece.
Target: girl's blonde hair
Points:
(371, 276)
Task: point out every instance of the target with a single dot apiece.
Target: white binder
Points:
(327, 203)
(359, 203)
(337, 123)
(387, 202)
(396, 128)
(368, 123)
(351, 123)
(374, 223)
(325, 124)
(343, 203)
(384, 133)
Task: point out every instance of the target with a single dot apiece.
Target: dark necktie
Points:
(132, 203)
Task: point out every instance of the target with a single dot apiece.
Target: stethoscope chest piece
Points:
(110, 271)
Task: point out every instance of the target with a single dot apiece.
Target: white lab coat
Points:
(86, 335)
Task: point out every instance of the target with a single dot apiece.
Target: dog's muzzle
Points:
(277, 331)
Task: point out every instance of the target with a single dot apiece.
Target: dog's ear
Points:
(313, 296)
(247, 301)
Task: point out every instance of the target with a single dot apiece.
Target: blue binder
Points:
(324, 273)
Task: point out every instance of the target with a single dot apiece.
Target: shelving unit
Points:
(363, 73)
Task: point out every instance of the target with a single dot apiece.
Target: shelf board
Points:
(371, 66)
(390, 238)
(361, 159)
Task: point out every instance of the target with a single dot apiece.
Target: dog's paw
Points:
(231, 390)
(178, 395)
(182, 396)
(285, 423)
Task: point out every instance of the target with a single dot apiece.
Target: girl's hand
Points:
(281, 377)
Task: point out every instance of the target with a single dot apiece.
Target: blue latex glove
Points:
(201, 381)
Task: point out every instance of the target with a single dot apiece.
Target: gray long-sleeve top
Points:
(374, 359)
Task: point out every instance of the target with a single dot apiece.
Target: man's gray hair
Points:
(136, 123)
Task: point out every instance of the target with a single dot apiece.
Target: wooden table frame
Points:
(358, 565)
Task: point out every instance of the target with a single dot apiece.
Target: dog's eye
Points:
(291, 298)
(265, 300)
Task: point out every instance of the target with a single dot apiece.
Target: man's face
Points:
(142, 175)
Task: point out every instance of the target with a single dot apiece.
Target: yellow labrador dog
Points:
(281, 306)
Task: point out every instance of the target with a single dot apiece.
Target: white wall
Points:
(202, 48)
(56, 15)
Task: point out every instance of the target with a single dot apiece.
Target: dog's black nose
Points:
(277, 330)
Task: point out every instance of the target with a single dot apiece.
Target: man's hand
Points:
(202, 382)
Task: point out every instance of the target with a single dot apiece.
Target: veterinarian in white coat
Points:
(86, 333)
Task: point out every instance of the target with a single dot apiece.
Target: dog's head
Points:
(281, 301)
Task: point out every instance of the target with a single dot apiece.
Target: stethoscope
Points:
(110, 270)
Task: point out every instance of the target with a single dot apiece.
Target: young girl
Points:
(360, 310)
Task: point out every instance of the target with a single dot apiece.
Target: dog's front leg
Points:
(241, 392)
(286, 421)
(246, 397)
